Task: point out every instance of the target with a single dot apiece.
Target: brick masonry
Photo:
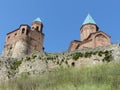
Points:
(91, 37)
(24, 40)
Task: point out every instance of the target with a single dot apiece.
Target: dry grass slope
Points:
(102, 77)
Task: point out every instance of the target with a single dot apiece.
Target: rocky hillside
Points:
(39, 62)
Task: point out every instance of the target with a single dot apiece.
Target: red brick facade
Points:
(91, 37)
(24, 40)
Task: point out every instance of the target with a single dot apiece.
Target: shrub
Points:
(66, 62)
(94, 53)
(16, 64)
(106, 52)
(100, 53)
(108, 56)
(87, 54)
(75, 56)
(27, 59)
(50, 58)
(34, 56)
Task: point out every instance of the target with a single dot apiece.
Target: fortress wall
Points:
(51, 61)
(39, 62)
(21, 49)
(92, 60)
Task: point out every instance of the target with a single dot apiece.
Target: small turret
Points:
(37, 25)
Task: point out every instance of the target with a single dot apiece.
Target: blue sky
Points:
(62, 19)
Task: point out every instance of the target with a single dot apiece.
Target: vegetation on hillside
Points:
(107, 55)
(101, 77)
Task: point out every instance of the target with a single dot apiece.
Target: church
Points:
(24, 40)
(28, 39)
(91, 36)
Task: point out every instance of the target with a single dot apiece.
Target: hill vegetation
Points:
(99, 77)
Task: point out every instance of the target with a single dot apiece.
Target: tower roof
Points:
(37, 20)
(89, 19)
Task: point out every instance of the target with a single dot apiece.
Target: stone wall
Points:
(39, 62)
(21, 48)
(66, 59)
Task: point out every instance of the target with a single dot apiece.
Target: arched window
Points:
(23, 30)
(37, 28)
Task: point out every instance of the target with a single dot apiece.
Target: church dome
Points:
(88, 20)
(37, 20)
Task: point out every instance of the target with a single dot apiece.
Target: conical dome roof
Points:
(89, 19)
(37, 20)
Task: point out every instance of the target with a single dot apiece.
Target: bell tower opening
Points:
(37, 25)
(37, 28)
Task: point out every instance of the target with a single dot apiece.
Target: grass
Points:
(102, 77)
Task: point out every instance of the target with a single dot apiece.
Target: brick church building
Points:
(24, 40)
(91, 36)
(29, 39)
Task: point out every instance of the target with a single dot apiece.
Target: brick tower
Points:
(89, 26)
(24, 40)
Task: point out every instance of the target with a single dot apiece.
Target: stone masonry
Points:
(40, 62)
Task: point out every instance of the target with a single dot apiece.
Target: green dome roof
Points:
(37, 20)
(89, 19)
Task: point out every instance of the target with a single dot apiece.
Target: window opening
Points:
(27, 32)
(23, 30)
(15, 34)
(8, 37)
(37, 28)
